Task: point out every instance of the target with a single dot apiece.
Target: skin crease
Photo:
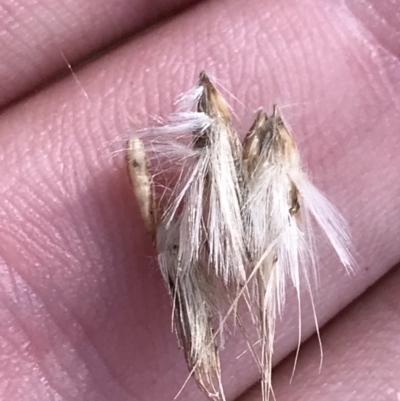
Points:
(37, 36)
(84, 312)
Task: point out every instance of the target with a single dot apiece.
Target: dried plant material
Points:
(228, 222)
(137, 163)
(199, 234)
(281, 201)
(192, 297)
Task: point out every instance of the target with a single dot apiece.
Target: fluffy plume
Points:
(280, 202)
(228, 221)
(197, 225)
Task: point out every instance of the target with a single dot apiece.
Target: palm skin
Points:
(84, 312)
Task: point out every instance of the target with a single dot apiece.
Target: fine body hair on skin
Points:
(229, 221)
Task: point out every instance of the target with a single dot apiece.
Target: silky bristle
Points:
(232, 222)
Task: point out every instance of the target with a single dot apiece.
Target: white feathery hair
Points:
(280, 204)
(232, 221)
(198, 230)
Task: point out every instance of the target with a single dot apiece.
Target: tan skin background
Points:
(84, 314)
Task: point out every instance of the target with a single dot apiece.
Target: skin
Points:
(84, 312)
